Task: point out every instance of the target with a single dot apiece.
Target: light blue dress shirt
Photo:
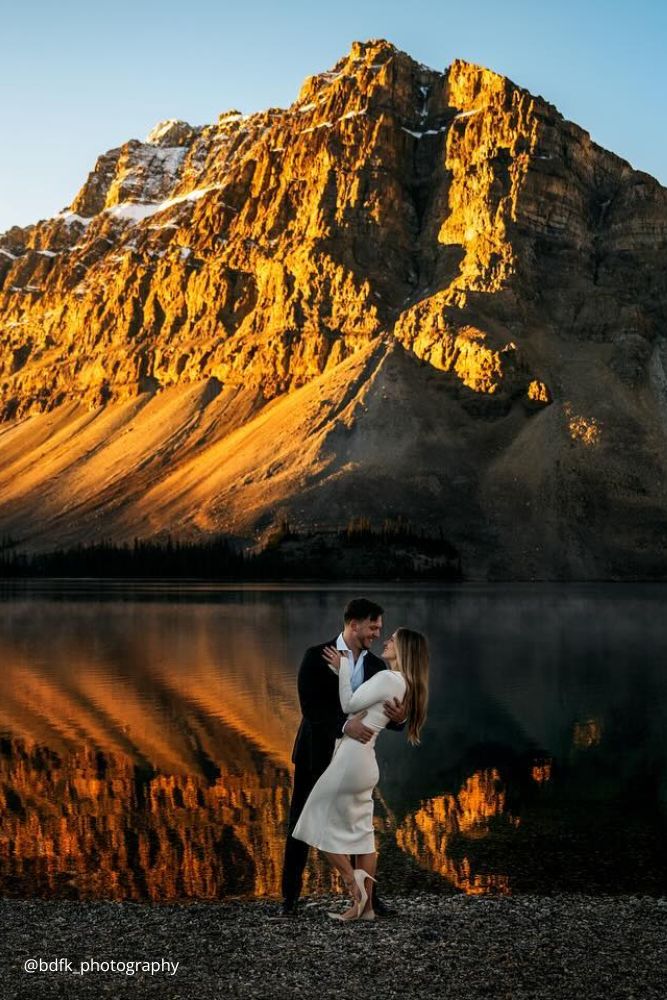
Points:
(358, 666)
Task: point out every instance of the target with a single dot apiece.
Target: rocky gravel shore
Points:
(458, 947)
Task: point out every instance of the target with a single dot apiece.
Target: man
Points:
(323, 722)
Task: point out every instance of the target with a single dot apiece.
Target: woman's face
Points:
(389, 648)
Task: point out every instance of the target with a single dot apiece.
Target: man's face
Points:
(367, 631)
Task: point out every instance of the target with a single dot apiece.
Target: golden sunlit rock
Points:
(584, 429)
(263, 248)
(538, 392)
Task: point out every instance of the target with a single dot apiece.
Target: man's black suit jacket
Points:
(323, 717)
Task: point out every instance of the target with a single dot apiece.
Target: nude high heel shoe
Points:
(360, 877)
(368, 914)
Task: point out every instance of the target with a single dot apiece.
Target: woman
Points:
(338, 815)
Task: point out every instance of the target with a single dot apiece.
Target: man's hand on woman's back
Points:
(355, 728)
(395, 710)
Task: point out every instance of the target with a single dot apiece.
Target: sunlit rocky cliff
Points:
(412, 293)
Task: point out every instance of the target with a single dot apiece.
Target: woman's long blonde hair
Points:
(412, 659)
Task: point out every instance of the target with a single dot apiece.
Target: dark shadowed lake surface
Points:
(146, 734)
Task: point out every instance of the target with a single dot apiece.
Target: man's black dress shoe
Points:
(382, 910)
(287, 911)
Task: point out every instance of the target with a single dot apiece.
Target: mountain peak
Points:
(171, 132)
(371, 48)
(369, 67)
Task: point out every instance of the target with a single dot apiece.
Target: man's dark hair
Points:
(360, 608)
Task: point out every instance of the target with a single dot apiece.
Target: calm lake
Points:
(146, 734)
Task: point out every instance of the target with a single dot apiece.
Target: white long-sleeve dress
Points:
(338, 813)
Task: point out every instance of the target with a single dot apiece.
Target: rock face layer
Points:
(411, 293)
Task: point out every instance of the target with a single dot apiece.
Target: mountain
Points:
(411, 294)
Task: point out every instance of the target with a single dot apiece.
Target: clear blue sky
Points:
(82, 76)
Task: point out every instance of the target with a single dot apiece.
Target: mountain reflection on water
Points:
(147, 734)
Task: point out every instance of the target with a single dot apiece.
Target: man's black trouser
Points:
(296, 851)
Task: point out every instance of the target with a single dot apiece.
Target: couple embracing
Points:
(348, 696)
